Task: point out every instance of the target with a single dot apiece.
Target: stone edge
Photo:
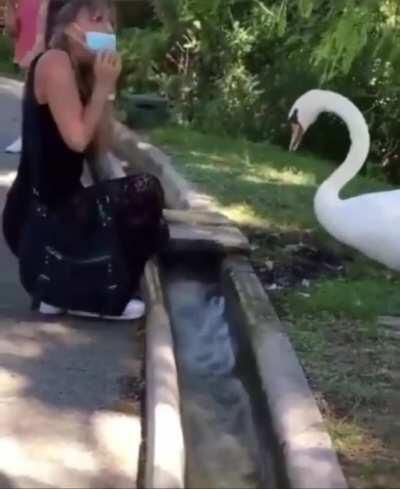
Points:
(143, 156)
(310, 460)
(165, 449)
(164, 442)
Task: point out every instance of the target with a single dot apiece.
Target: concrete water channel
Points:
(220, 391)
(248, 416)
(227, 404)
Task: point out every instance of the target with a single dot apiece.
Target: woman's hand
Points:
(77, 122)
(107, 69)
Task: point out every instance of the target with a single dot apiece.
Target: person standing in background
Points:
(26, 23)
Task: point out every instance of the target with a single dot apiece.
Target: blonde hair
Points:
(64, 14)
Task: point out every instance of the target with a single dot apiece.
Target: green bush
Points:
(6, 56)
(236, 66)
(6, 49)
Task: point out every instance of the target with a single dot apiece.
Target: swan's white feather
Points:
(369, 223)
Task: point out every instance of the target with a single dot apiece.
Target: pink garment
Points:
(30, 18)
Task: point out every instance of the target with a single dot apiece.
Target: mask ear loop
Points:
(75, 37)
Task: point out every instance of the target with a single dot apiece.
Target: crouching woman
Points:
(80, 250)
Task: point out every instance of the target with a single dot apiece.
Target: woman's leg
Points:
(136, 204)
(142, 228)
(16, 146)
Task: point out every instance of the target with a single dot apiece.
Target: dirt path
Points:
(62, 382)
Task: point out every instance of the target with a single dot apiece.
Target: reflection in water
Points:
(219, 432)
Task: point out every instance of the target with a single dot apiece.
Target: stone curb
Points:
(143, 156)
(309, 459)
(165, 450)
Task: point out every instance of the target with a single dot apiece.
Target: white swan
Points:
(370, 223)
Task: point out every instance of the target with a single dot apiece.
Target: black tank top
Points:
(46, 161)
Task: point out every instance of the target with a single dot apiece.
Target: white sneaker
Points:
(135, 309)
(45, 308)
(15, 147)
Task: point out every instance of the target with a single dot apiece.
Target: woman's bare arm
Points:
(103, 138)
(55, 84)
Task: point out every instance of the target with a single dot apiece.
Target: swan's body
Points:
(370, 223)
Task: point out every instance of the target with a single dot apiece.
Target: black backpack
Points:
(96, 282)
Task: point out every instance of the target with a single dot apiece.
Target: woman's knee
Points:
(150, 181)
(146, 189)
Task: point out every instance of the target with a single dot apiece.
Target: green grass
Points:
(6, 56)
(364, 298)
(352, 364)
(254, 183)
(8, 69)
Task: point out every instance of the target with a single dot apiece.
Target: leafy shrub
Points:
(236, 66)
(6, 49)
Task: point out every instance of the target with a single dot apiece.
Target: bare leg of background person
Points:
(16, 146)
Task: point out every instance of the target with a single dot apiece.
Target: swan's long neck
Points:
(360, 142)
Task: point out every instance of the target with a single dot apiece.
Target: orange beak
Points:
(297, 136)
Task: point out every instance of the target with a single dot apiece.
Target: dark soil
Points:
(288, 260)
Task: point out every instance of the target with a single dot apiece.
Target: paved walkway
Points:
(60, 380)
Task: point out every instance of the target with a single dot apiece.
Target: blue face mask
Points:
(100, 41)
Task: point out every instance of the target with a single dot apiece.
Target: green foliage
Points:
(143, 52)
(236, 66)
(6, 50)
(343, 41)
(6, 55)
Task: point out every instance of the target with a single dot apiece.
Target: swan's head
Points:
(303, 114)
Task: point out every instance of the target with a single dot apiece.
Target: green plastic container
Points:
(145, 111)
